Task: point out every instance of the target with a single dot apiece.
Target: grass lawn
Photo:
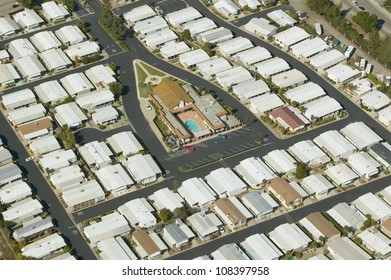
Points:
(373, 79)
(144, 89)
(162, 126)
(153, 71)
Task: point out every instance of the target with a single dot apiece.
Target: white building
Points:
(105, 115)
(317, 185)
(259, 247)
(44, 145)
(346, 215)
(305, 93)
(373, 205)
(70, 115)
(225, 182)
(280, 161)
(84, 194)
(14, 192)
(281, 18)
(260, 204)
(382, 153)
(322, 108)
(233, 46)
(360, 135)
(18, 99)
(180, 17)
(76, 84)
(307, 152)
(55, 60)
(22, 210)
(199, 26)
(341, 175)
(271, 67)
(28, 19)
(289, 79)
(289, 237)
(204, 224)
(148, 244)
(254, 172)
(376, 241)
(326, 60)
(138, 14)
(21, 47)
(95, 100)
(110, 225)
(341, 73)
(44, 41)
(50, 92)
(233, 76)
(172, 50)
(252, 4)
(265, 103)
(67, 177)
(384, 116)
(96, 154)
(335, 144)
(386, 195)
(115, 249)
(32, 227)
(196, 192)
(229, 252)
(192, 58)
(83, 49)
(345, 249)
(215, 36)
(364, 165)
(138, 212)
(361, 86)
(177, 234)
(160, 38)
(8, 27)
(57, 159)
(44, 247)
(290, 37)
(30, 67)
(210, 68)
(308, 48)
(249, 89)
(252, 56)
(101, 75)
(375, 100)
(64, 257)
(227, 8)
(125, 143)
(5, 156)
(150, 26)
(232, 212)
(26, 114)
(8, 74)
(10, 173)
(260, 27)
(70, 35)
(166, 199)
(54, 12)
(142, 168)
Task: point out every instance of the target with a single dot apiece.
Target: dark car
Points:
(222, 136)
(361, 8)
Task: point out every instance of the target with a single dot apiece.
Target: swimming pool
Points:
(192, 126)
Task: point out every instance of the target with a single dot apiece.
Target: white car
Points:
(149, 108)
(29, 158)
(355, 3)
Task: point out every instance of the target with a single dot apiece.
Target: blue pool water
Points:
(192, 126)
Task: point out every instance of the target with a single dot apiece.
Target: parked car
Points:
(222, 136)
(189, 148)
(336, 43)
(29, 158)
(355, 3)
(361, 8)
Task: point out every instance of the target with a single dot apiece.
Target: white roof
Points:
(260, 26)
(199, 25)
(14, 191)
(306, 151)
(271, 67)
(9, 173)
(177, 233)
(27, 114)
(101, 74)
(281, 18)
(309, 47)
(259, 203)
(250, 89)
(225, 182)
(18, 98)
(254, 171)
(325, 60)
(193, 57)
(7, 26)
(44, 145)
(289, 78)
(341, 73)
(32, 227)
(125, 143)
(58, 159)
(114, 178)
(386, 195)
(105, 114)
(70, 34)
(82, 49)
(150, 25)
(94, 99)
(160, 38)
(69, 114)
(142, 167)
(111, 225)
(375, 100)
(138, 212)
(360, 135)
(139, 13)
(234, 46)
(321, 107)
(196, 192)
(304, 93)
(289, 237)
(173, 49)
(166, 198)
(67, 177)
(316, 184)
(227, 7)
(266, 102)
(233, 76)
(376, 241)
(361, 86)
(291, 36)
(204, 224)
(115, 248)
(385, 116)
(22, 210)
(229, 252)
(346, 215)
(85, 192)
(53, 11)
(64, 257)
(259, 247)
(96, 153)
(341, 174)
(45, 40)
(185, 15)
(335, 144)
(21, 47)
(55, 59)
(373, 205)
(30, 67)
(213, 66)
(8, 74)
(216, 35)
(363, 164)
(50, 91)
(280, 161)
(28, 19)
(345, 249)
(253, 55)
(44, 247)
(76, 83)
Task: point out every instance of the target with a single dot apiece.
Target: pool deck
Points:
(192, 115)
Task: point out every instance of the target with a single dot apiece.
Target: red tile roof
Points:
(287, 116)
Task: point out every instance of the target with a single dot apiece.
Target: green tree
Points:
(365, 20)
(27, 3)
(117, 89)
(186, 35)
(165, 214)
(69, 4)
(301, 170)
(113, 66)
